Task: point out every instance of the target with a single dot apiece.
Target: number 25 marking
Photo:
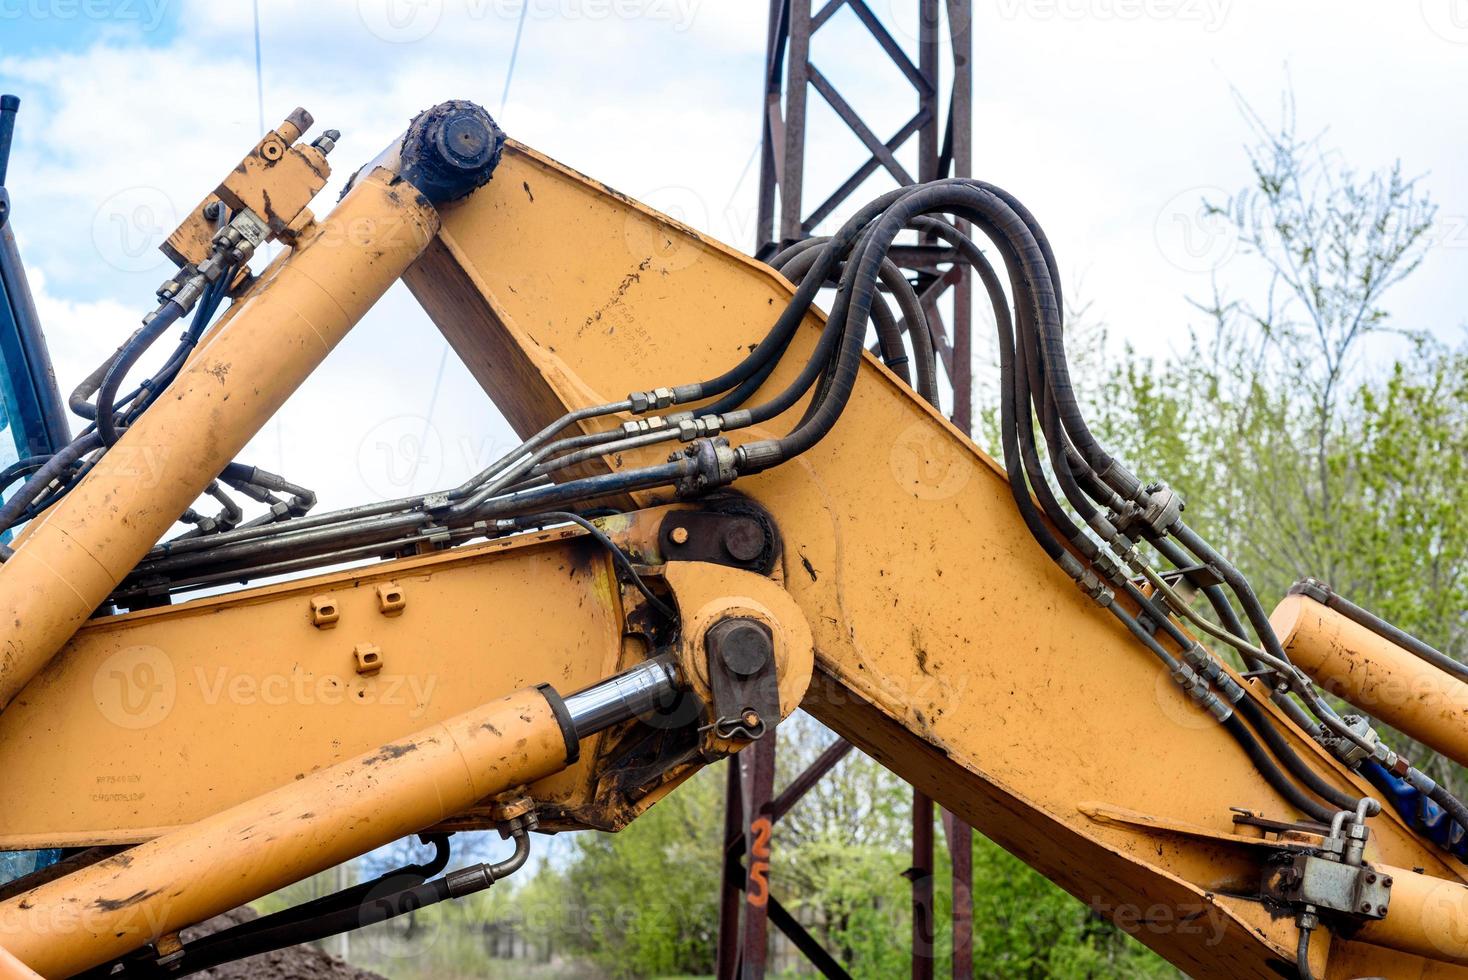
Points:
(759, 869)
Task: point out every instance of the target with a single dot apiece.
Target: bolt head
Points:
(679, 535)
(743, 646)
(744, 540)
(464, 140)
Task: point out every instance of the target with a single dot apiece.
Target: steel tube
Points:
(621, 697)
(83, 548)
(188, 875)
(1427, 917)
(1379, 677)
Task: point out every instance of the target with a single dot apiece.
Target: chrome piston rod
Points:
(623, 696)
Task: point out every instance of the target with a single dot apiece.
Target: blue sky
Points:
(1111, 119)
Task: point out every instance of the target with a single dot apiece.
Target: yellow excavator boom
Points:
(884, 579)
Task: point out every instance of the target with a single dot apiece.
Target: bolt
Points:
(742, 645)
(679, 535)
(1386, 882)
(1381, 910)
(744, 540)
(1370, 879)
(1365, 906)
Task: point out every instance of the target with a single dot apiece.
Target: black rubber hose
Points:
(411, 899)
(1302, 955)
(410, 874)
(1273, 774)
(1450, 803)
(20, 468)
(167, 315)
(970, 203)
(889, 336)
(777, 340)
(600, 537)
(1253, 609)
(53, 468)
(1282, 751)
(153, 387)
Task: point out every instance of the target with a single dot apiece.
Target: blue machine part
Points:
(1425, 816)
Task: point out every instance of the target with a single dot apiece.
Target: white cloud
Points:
(1096, 113)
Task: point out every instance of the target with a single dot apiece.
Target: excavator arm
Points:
(569, 669)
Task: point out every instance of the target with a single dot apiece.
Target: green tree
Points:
(1310, 435)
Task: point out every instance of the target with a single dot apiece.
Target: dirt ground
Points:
(301, 963)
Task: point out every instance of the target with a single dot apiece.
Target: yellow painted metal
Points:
(275, 180)
(305, 826)
(1428, 918)
(84, 546)
(710, 593)
(948, 646)
(13, 969)
(1376, 675)
(156, 719)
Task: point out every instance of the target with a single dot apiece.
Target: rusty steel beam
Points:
(757, 787)
(961, 851)
(732, 876)
(803, 783)
(921, 876)
(944, 148)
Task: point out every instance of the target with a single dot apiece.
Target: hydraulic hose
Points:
(227, 947)
(59, 463)
(167, 315)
